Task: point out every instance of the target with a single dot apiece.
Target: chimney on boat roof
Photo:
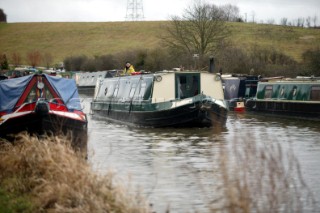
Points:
(211, 65)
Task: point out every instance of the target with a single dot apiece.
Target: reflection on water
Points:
(175, 167)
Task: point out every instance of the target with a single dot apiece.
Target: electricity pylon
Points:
(134, 10)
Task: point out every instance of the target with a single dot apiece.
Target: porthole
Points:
(217, 78)
(158, 78)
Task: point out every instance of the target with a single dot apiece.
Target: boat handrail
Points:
(39, 99)
(301, 79)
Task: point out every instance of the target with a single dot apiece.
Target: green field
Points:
(99, 38)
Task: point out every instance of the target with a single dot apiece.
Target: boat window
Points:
(294, 91)
(187, 85)
(35, 93)
(48, 94)
(195, 85)
(247, 93)
(182, 87)
(109, 91)
(268, 92)
(282, 92)
(32, 96)
(115, 93)
(132, 90)
(142, 90)
(315, 93)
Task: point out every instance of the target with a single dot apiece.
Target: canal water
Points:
(176, 169)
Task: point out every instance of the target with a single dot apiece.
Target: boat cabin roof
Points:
(160, 86)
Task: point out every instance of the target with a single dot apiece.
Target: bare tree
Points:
(308, 21)
(253, 14)
(200, 30)
(231, 12)
(300, 22)
(16, 59)
(284, 21)
(270, 21)
(315, 19)
(34, 58)
(47, 59)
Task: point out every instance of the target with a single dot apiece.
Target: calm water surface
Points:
(174, 167)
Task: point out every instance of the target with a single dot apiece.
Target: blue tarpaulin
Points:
(67, 90)
(12, 89)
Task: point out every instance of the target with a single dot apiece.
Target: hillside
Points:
(99, 38)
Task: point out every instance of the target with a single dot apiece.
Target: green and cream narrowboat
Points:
(294, 97)
(163, 99)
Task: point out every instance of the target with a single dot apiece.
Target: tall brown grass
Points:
(260, 177)
(55, 178)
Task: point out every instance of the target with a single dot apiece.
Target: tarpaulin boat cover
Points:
(67, 90)
(12, 89)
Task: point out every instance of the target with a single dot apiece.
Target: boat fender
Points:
(42, 108)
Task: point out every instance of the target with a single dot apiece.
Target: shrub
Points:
(74, 63)
(4, 62)
(311, 59)
(57, 179)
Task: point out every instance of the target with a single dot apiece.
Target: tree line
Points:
(257, 61)
(33, 58)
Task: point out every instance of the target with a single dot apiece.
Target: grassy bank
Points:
(99, 38)
(46, 175)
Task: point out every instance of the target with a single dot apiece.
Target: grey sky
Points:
(115, 10)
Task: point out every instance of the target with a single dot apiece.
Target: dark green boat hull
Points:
(196, 114)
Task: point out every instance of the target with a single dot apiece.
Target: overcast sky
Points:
(115, 10)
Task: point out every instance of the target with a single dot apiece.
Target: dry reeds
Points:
(55, 178)
(260, 177)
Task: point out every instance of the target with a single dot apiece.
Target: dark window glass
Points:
(315, 93)
(268, 92)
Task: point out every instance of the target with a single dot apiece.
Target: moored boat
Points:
(86, 81)
(42, 104)
(238, 88)
(289, 97)
(163, 99)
